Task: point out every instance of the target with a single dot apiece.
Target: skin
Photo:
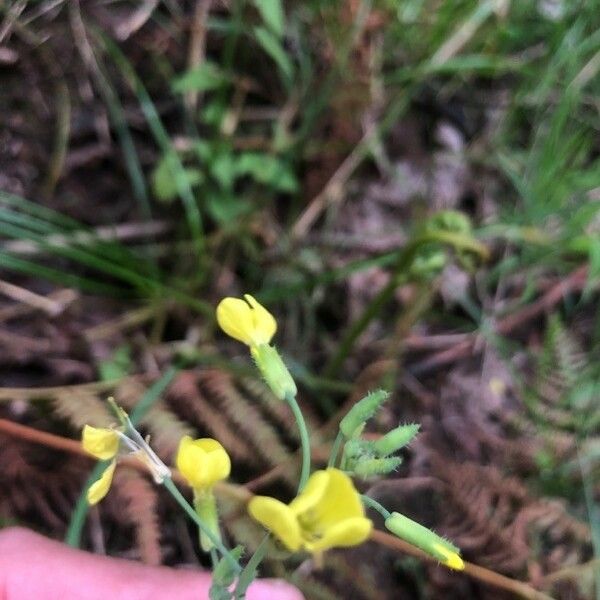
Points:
(32, 566)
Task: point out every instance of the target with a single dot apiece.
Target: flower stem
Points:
(304, 440)
(370, 503)
(168, 483)
(335, 449)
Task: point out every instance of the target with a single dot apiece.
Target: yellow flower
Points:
(100, 442)
(202, 462)
(246, 320)
(327, 514)
(100, 487)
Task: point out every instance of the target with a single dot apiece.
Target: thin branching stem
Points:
(172, 488)
(335, 450)
(304, 440)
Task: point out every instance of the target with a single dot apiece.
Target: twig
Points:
(576, 281)
(43, 393)
(61, 298)
(523, 590)
(197, 47)
(43, 303)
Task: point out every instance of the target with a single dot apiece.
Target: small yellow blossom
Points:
(202, 462)
(327, 514)
(246, 320)
(100, 442)
(105, 444)
(100, 487)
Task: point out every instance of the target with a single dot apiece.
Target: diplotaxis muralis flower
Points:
(246, 320)
(251, 323)
(327, 514)
(202, 462)
(104, 444)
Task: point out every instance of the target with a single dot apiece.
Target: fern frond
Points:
(246, 418)
(187, 399)
(136, 503)
(276, 409)
(81, 408)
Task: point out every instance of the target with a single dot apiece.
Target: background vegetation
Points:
(333, 158)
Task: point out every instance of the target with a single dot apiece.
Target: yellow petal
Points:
(278, 518)
(344, 534)
(265, 325)
(100, 487)
(340, 500)
(100, 442)
(312, 493)
(246, 320)
(202, 462)
(451, 559)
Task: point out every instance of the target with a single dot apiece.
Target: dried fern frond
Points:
(135, 502)
(38, 484)
(82, 408)
(246, 418)
(276, 409)
(185, 396)
(492, 516)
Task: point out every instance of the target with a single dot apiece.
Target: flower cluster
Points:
(105, 444)
(328, 512)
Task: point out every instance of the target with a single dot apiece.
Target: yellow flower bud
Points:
(202, 462)
(100, 442)
(246, 320)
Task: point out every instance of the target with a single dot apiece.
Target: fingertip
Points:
(273, 589)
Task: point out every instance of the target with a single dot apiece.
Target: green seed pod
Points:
(369, 467)
(395, 439)
(355, 448)
(427, 540)
(273, 369)
(352, 424)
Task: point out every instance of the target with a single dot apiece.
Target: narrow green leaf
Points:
(204, 78)
(272, 14)
(272, 46)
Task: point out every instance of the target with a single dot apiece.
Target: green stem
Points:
(335, 450)
(370, 503)
(168, 483)
(214, 558)
(304, 440)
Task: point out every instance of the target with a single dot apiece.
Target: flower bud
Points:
(274, 371)
(395, 439)
(369, 467)
(352, 424)
(427, 540)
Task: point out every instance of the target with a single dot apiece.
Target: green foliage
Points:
(206, 77)
(117, 366)
(223, 576)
